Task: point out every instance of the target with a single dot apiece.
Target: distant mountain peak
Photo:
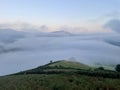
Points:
(62, 32)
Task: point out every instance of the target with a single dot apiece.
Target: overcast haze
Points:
(85, 14)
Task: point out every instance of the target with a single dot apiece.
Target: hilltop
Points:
(62, 75)
(71, 67)
(69, 64)
(60, 66)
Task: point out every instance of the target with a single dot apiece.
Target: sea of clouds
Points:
(25, 50)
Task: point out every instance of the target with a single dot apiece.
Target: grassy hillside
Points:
(69, 64)
(68, 67)
(58, 67)
(57, 82)
(62, 75)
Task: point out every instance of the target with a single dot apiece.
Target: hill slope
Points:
(57, 82)
(69, 64)
(57, 67)
(62, 75)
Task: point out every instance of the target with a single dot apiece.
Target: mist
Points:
(21, 50)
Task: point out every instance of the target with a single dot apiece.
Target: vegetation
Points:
(69, 64)
(117, 68)
(62, 75)
(66, 67)
(100, 68)
(57, 82)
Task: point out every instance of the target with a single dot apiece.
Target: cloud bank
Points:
(113, 25)
(24, 50)
(27, 27)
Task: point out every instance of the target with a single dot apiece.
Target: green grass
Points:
(68, 67)
(57, 82)
(69, 64)
(62, 75)
(63, 65)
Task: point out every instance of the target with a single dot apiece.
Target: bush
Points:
(100, 68)
(117, 68)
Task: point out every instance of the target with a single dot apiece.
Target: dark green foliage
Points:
(62, 70)
(57, 82)
(51, 61)
(100, 68)
(117, 68)
(59, 77)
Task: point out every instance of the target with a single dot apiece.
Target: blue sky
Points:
(59, 12)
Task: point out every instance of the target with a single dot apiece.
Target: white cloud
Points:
(32, 51)
(23, 50)
(114, 25)
(26, 27)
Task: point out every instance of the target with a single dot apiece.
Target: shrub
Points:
(100, 68)
(117, 68)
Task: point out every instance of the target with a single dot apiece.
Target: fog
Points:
(31, 51)
(25, 50)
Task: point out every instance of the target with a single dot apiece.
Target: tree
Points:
(117, 68)
(51, 61)
(100, 68)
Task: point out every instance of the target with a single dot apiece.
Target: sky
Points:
(58, 13)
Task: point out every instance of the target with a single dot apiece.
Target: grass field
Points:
(57, 82)
(62, 75)
(70, 64)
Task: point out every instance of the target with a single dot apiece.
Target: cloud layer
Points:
(33, 49)
(27, 27)
(113, 25)
(24, 50)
